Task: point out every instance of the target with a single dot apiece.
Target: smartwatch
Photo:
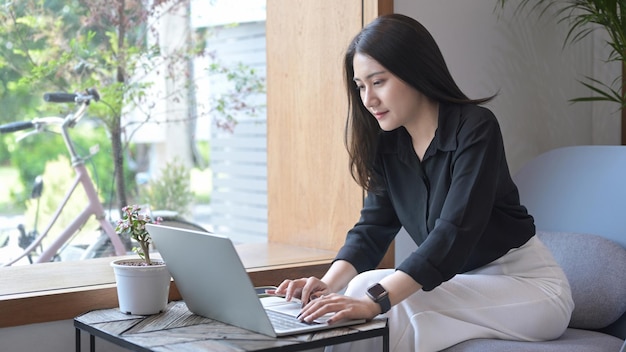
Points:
(379, 295)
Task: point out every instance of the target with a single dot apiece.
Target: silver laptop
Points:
(214, 283)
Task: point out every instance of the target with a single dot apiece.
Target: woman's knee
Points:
(364, 280)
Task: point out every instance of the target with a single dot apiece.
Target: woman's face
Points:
(388, 98)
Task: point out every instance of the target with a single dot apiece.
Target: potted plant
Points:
(142, 283)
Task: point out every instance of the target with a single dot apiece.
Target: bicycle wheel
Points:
(102, 246)
(5, 234)
(9, 244)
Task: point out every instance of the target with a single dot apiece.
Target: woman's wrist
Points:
(399, 286)
(380, 296)
(372, 307)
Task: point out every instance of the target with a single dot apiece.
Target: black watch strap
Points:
(379, 295)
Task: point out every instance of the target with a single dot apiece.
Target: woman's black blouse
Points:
(459, 204)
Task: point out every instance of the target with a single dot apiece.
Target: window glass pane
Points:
(214, 123)
(238, 154)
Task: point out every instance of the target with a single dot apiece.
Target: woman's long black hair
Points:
(405, 48)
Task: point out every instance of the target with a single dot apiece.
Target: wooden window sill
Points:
(57, 291)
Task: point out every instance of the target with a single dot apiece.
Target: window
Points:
(238, 147)
(235, 56)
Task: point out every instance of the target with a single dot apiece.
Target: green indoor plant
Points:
(142, 283)
(133, 225)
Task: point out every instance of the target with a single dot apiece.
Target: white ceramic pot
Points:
(141, 290)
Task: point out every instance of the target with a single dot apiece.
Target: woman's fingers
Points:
(294, 289)
(314, 287)
(280, 289)
(303, 289)
(343, 307)
(321, 306)
(290, 288)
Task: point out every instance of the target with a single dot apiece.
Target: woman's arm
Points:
(399, 286)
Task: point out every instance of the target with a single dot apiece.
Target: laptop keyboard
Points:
(282, 321)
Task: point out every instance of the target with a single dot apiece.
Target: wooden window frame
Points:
(312, 201)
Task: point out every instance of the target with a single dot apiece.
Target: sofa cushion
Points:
(573, 340)
(596, 270)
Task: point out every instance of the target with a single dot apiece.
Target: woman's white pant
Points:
(524, 296)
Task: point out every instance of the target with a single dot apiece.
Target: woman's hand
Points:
(303, 289)
(344, 307)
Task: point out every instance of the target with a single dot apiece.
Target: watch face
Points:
(376, 291)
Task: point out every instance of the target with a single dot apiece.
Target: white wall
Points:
(522, 58)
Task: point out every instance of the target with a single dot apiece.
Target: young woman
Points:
(432, 161)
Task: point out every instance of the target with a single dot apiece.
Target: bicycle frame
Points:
(93, 207)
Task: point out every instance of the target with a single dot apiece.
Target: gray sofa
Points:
(578, 198)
